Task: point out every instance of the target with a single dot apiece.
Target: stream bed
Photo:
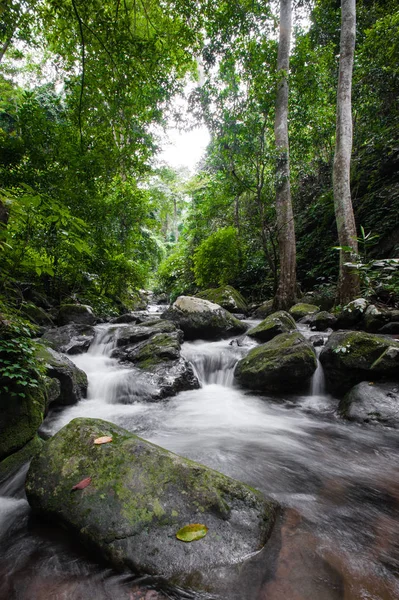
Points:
(337, 538)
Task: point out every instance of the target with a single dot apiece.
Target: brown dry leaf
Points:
(103, 440)
(82, 484)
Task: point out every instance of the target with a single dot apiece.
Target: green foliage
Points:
(175, 274)
(20, 370)
(217, 259)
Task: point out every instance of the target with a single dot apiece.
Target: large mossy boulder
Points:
(350, 357)
(370, 402)
(200, 319)
(278, 322)
(227, 297)
(73, 381)
(139, 497)
(374, 319)
(132, 334)
(300, 310)
(286, 363)
(20, 417)
(70, 339)
(76, 313)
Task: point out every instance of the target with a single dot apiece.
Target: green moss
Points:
(275, 324)
(21, 418)
(15, 461)
(226, 296)
(301, 310)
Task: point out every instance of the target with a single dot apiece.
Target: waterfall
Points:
(317, 383)
(213, 362)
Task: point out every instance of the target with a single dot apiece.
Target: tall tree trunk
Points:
(348, 285)
(286, 291)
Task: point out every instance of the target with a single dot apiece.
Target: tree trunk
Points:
(286, 291)
(348, 285)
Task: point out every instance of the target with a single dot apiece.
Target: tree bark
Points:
(286, 291)
(348, 284)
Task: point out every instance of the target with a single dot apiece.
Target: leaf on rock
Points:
(103, 440)
(193, 532)
(82, 484)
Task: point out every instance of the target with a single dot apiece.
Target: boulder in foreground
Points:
(284, 364)
(139, 497)
(200, 319)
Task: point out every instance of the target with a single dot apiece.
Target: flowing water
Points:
(337, 538)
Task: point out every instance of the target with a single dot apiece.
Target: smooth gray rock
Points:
(76, 313)
(322, 321)
(200, 319)
(274, 324)
(74, 338)
(370, 402)
(73, 381)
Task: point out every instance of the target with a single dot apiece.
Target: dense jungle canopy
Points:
(86, 86)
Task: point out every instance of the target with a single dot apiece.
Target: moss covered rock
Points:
(370, 402)
(36, 315)
(70, 339)
(76, 313)
(350, 357)
(322, 321)
(139, 497)
(374, 319)
(352, 314)
(132, 334)
(284, 364)
(14, 462)
(264, 310)
(20, 418)
(300, 310)
(278, 322)
(227, 297)
(73, 381)
(200, 319)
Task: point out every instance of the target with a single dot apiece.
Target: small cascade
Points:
(109, 381)
(213, 363)
(317, 383)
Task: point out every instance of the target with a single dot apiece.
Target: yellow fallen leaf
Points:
(103, 440)
(192, 532)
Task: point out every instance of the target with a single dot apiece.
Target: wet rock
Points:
(352, 314)
(36, 315)
(285, 363)
(374, 319)
(391, 328)
(227, 297)
(140, 495)
(159, 348)
(316, 340)
(73, 381)
(132, 317)
(53, 390)
(138, 333)
(20, 418)
(274, 324)
(70, 339)
(370, 402)
(171, 377)
(300, 310)
(322, 321)
(76, 313)
(350, 357)
(264, 310)
(15, 461)
(200, 319)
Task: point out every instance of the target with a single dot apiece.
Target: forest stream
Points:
(337, 538)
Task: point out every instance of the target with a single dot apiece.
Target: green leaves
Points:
(191, 533)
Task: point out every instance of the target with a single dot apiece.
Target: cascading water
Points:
(317, 384)
(336, 480)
